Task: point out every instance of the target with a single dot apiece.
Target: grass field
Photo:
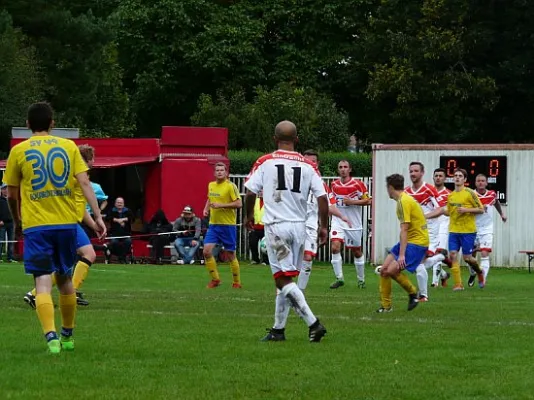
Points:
(157, 333)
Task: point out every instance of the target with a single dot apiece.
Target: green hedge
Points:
(241, 161)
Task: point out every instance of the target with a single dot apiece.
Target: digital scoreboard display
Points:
(493, 167)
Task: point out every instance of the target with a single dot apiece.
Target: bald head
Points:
(285, 131)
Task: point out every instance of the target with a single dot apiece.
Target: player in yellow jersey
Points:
(41, 173)
(223, 202)
(411, 249)
(84, 247)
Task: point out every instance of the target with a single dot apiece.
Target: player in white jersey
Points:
(351, 196)
(426, 195)
(312, 225)
(286, 179)
(438, 273)
(484, 240)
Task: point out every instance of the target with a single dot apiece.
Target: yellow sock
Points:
(456, 274)
(234, 266)
(405, 283)
(80, 273)
(53, 276)
(45, 312)
(67, 306)
(385, 291)
(211, 265)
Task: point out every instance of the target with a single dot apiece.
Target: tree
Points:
(320, 124)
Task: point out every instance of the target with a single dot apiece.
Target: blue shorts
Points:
(50, 250)
(81, 237)
(414, 256)
(465, 241)
(225, 235)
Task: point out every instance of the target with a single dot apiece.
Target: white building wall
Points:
(509, 238)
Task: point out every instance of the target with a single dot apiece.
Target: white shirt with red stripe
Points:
(287, 179)
(485, 221)
(312, 221)
(353, 189)
(426, 196)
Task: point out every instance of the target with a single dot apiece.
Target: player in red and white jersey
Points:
(312, 225)
(351, 195)
(438, 273)
(287, 178)
(484, 240)
(426, 195)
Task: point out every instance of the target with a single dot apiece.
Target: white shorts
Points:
(310, 245)
(484, 242)
(338, 232)
(443, 233)
(433, 235)
(285, 247)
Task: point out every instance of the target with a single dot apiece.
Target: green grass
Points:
(157, 333)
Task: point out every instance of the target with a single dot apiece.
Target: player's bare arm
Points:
(322, 203)
(333, 210)
(234, 204)
(353, 202)
(206, 211)
(436, 213)
(403, 244)
(89, 221)
(470, 210)
(13, 199)
(500, 210)
(89, 193)
(250, 200)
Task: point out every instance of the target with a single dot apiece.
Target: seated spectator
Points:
(158, 224)
(257, 233)
(188, 231)
(120, 219)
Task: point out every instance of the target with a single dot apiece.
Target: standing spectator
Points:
(258, 232)
(6, 226)
(158, 224)
(120, 219)
(188, 228)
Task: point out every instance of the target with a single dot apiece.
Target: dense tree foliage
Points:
(387, 71)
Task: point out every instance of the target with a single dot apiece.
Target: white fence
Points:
(324, 252)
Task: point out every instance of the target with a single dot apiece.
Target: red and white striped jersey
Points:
(485, 221)
(286, 178)
(443, 195)
(426, 196)
(353, 189)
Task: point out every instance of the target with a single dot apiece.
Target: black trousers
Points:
(254, 238)
(158, 245)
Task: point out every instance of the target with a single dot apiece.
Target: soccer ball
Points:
(263, 246)
(378, 269)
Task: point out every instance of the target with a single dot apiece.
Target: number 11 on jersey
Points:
(297, 171)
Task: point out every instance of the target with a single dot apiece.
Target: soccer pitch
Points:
(156, 332)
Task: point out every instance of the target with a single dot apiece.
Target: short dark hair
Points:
(396, 181)
(463, 171)
(440, 170)
(418, 163)
(344, 160)
(221, 164)
(482, 175)
(40, 116)
(311, 152)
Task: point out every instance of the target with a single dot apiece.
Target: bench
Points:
(530, 255)
(174, 255)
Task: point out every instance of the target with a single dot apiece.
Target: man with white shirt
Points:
(286, 178)
(438, 273)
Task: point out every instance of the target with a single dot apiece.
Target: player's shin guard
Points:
(405, 283)
(45, 312)
(359, 264)
(337, 264)
(456, 274)
(296, 298)
(234, 266)
(436, 273)
(304, 275)
(422, 280)
(67, 306)
(211, 266)
(281, 310)
(385, 291)
(485, 265)
(80, 272)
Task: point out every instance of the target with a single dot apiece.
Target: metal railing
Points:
(323, 254)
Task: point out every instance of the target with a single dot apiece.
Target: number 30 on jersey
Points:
(54, 168)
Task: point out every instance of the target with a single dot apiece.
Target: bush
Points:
(241, 162)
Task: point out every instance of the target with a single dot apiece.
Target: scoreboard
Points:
(493, 167)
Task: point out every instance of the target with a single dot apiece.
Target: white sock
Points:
(443, 273)
(337, 263)
(431, 261)
(485, 265)
(436, 273)
(281, 310)
(304, 275)
(422, 280)
(296, 298)
(359, 263)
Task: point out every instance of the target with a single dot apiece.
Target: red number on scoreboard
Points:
(451, 166)
(494, 168)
